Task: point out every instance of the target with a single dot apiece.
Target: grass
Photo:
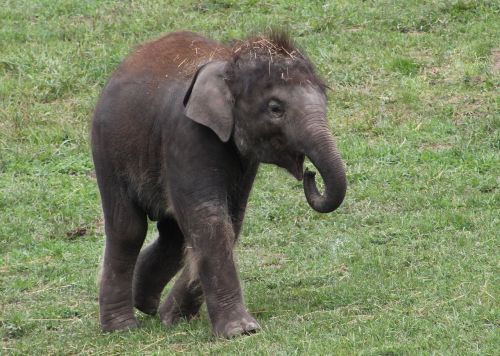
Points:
(408, 265)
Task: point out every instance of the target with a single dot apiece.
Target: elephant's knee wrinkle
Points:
(213, 236)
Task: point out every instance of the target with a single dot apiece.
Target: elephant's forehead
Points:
(304, 94)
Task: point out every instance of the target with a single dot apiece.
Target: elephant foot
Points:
(171, 313)
(147, 305)
(236, 323)
(170, 319)
(118, 322)
(116, 313)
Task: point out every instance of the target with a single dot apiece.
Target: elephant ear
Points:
(209, 101)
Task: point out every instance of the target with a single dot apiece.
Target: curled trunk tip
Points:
(332, 198)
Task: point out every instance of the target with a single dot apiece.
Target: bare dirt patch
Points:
(76, 232)
(496, 61)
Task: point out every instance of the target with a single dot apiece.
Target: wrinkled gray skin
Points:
(185, 152)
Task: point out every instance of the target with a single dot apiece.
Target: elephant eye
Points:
(275, 108)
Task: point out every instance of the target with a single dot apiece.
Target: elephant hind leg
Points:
(125, 228)
(156, 265)
(183, 301)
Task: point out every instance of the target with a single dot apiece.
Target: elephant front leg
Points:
(212, 260)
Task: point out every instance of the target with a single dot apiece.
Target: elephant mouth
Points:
(295, 165)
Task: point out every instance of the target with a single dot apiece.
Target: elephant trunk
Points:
(322, 151)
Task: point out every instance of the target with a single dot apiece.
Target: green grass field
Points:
(408, 265)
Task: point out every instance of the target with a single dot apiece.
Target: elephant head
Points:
(269, 101)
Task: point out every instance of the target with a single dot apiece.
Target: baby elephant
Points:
(177, 136)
